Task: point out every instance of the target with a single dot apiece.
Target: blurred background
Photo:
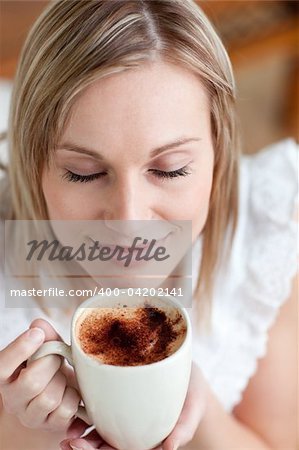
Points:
(262, 38)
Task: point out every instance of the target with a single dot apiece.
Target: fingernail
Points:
(36, 335)
(75, 448)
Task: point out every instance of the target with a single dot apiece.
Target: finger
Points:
(31, 382)
(70, 376)
(16, 373)
(76, 429)
(50, 332)
(60, 418)
(38, 409)
(106, 447)
(192, 413)
(91, 441)
(52, 335)
(83, 444)
(64, 445)
(93, 436)
(182, 433)
(18, 351)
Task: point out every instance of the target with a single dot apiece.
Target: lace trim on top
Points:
(269, 257)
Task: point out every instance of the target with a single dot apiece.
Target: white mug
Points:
(131, 407)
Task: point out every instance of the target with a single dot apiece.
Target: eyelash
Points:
(74, 177)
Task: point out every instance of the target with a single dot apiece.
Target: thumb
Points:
(193, 412)
(50, 332)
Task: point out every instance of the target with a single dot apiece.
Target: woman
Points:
(101, 86)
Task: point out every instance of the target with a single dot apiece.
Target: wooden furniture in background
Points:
(16, 18)
(262, 39)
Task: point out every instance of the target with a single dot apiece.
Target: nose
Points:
(127, 200)
(128, 208)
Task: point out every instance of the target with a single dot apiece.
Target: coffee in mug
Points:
(126, 336)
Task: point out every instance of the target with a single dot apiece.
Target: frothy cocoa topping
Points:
(131, 336)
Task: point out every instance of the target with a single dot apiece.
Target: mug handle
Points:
(62, 349)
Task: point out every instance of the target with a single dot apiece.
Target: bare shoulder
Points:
(270, 404)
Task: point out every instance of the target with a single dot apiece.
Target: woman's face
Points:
(138, 146)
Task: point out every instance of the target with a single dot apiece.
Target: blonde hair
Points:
(74, 43)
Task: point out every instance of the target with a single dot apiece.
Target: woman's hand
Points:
(36, 393)
(190, 418)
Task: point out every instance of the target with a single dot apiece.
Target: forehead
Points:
(155, 99)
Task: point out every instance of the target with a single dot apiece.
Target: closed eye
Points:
(75, 177)
(182, 172)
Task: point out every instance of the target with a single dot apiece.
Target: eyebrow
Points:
(155, 152)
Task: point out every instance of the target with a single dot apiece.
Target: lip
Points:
(128, 243)
(134, 262)
(126, 246)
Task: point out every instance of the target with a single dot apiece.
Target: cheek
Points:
(201, 203)
(196, 205)
(65, 202)
(192, 203)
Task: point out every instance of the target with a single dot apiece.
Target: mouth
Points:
(127, 245)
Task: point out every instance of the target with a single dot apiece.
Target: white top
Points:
(250, 288)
